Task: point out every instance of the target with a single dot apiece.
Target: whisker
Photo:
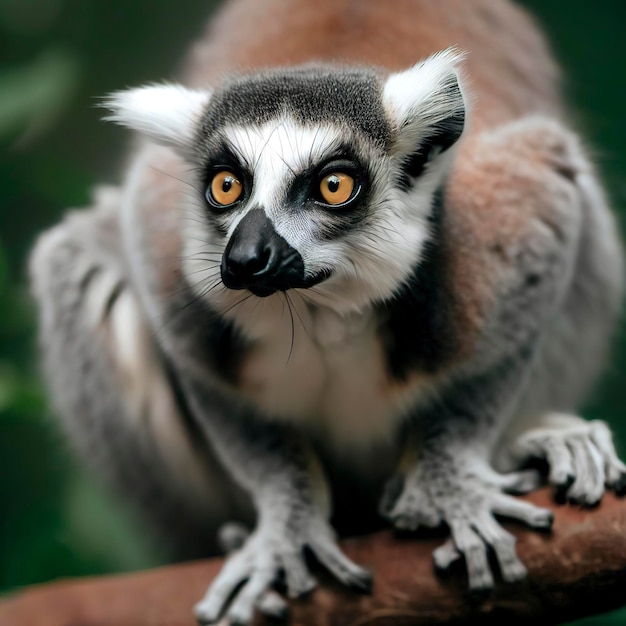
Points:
(257, 160)
(280, 156)
(204, 269)
(293, 328)
(317, 132)
(190, 303)
(254, 308)
(201, 257)
(230, 308)
(217, 284)
(295, 308)
(287, 165)
(185, 182)
(239, 152)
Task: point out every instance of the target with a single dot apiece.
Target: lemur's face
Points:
(318, 178)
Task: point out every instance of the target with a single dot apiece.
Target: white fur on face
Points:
(369, 262)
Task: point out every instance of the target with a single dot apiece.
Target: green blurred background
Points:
(55, 57)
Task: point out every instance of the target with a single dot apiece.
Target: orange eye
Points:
(336, 188)
(226, 188)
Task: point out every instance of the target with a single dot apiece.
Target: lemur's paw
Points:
(580, 454)
(274, 553)
(467, 499)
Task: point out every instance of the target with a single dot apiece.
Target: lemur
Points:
(333, 289)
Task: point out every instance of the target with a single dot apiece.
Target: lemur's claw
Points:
(562, 487)
(362, 583)
(272, 606)
(619, 485)
(342, 568)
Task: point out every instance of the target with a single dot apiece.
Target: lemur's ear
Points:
(426, 108)
(169, 114)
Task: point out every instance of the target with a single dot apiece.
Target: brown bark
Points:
(579, 569)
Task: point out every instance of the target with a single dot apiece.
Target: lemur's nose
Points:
(246, 262)
(259, 259)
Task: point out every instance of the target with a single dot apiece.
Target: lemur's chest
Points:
(327, 372)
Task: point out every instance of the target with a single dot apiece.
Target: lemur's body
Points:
(479, 304)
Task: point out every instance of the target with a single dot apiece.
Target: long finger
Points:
(241, 610)
(503, 545)
(615, 469)
(589, 484)
(297, 577)
(235, 571)
(559, 459)
(475, 552)
(349, 573)
(516, 509)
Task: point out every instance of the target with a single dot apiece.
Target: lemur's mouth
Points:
(317, 278)
(263, 291)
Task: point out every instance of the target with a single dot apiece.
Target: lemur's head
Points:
(316, 178)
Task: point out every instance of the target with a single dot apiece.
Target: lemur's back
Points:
(511, 70)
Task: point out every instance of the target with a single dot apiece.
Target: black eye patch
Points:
(221, 156)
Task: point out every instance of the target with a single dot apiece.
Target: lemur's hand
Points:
(466, 494)
(274, 551)
(580, 454)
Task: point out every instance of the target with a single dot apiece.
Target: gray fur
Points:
(69, 264)
(312, 94)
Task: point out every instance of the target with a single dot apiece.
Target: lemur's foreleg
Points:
(284, 483)
(530, 272)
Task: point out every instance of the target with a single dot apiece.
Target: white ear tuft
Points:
(169, 114)
(426, 100)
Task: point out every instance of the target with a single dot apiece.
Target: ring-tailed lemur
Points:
(323, 277)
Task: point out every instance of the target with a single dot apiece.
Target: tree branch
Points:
(577, 570)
